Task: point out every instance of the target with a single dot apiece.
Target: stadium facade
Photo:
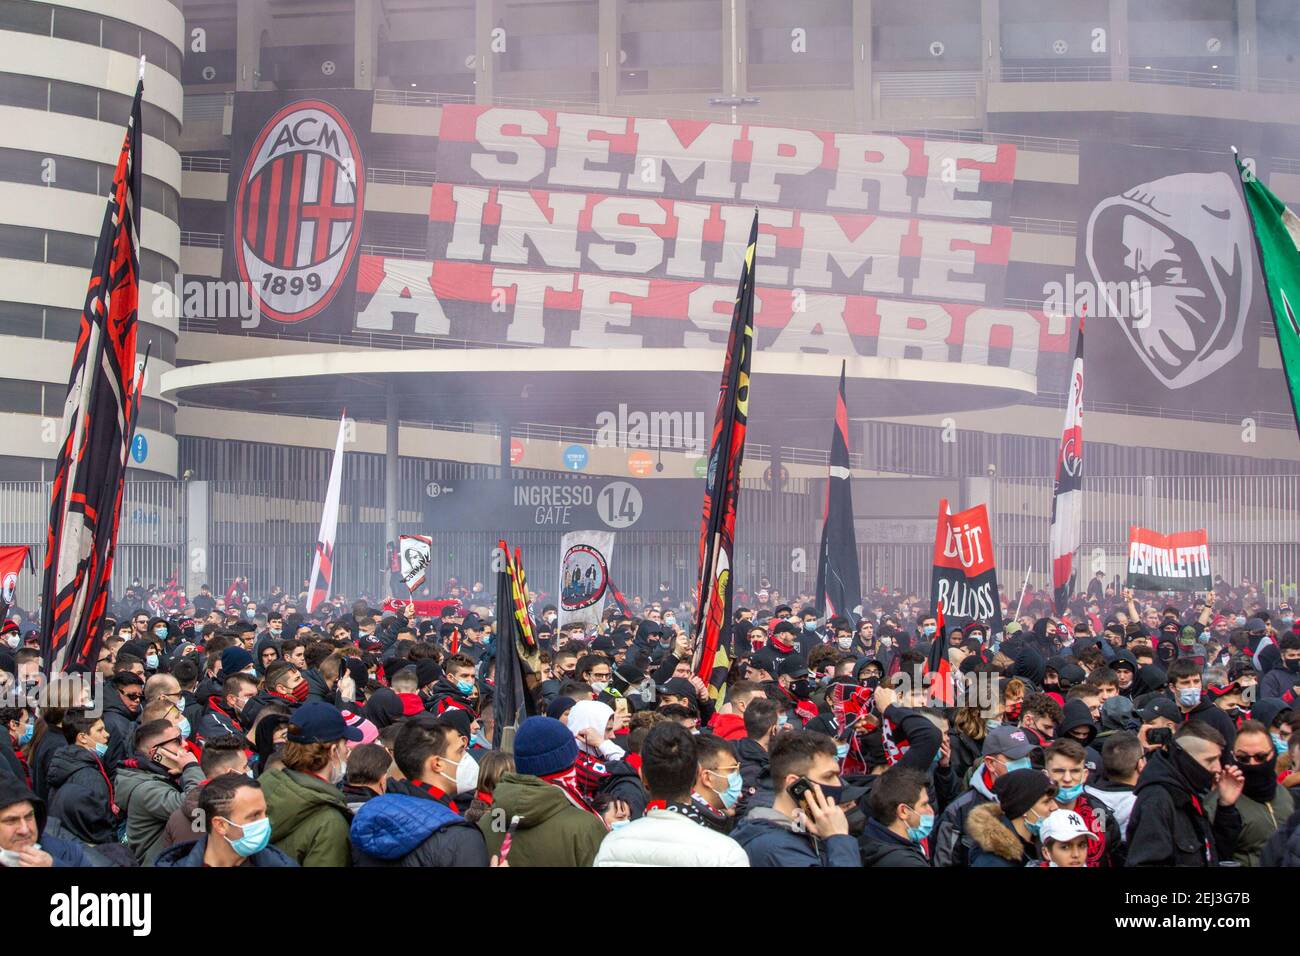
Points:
(942, 184)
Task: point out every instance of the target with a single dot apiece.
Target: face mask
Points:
(101, 749)
(1189, 696)
(256, 835)
(26, 734)
(250, 613)
(810, 625)
(886, 642)
(922, 830)
(550, 618)
(1021, 764)
(832, 794)
(300, 692)
(1035, 826)
(151, 661)
(841, 751)
(731, 795)
(599, 686)
(1241, 621)
(1278, 743)
(1066, 794)
(1197, 777)
(466, 774)
(1292, 666)
(670, 622)
(844, 643)
(619, 824)
(928, 630)
(160, 632)
(801, 688)
(337, 772)
(466, 687)
(13, 640)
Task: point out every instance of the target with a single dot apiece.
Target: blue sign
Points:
(575, 458)
(140, 448)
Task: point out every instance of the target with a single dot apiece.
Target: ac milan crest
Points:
(298, 210)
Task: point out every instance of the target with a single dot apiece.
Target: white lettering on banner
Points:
(939, 270)
(819, 327)
(529, 155)
(555, 237)
(876, 252)
(577, 147)
(1192, 561)
(941, 196)
(658, 142)
(901, 338)
(869, 174)
(404, 289)
(607, 222)
(467, 228)
(601, 316)
(972, 553)
(550, 496)
(960, 599)
(526, 323)
(1023, 328)
(688, 248)
(779, 152)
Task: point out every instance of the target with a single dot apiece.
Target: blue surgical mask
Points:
(782, 720)
(731, 795)
(1021, 764)
(928, 630)
(160, 632)
(1034, 826)
(810, 625)
(185, 727)
(619, 824)
(466, 687)
(256, 835)
(151, 661)
(670, 622)
(1278, 744)
(26, 733)
(1241, 621)
(101, 750)
(1066, 794)
(841, 751)
(1189, 696)
(922, 830)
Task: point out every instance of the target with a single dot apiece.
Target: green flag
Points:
(1277, 238)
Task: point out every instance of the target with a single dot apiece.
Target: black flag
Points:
(518, 665)
(98, 419)
(839, 585)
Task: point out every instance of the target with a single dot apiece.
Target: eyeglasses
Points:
(1249, 759)
(134, 698)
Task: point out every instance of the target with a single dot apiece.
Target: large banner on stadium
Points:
(584, 576)
(964, 580)
(295, 207)
(1168, 562)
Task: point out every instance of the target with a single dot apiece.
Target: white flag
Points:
(416, 551)
(322, 563)
(584, 576)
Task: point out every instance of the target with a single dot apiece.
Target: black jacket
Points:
(81, 798)
(120, 724)
(753, 764)
(1206, 711)
(216, 722)
(881, 846)
(1283, 847)
(408, 827)
(1168, 825)
(51, 742)
(624, 783)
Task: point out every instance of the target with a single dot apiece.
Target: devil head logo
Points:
(1187, 235)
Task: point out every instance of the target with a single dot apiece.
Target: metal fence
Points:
(266, 531)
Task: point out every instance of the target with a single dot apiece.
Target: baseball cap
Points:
(793, 666)
(1063, 826)
(1012, 742)
(1160, 707)
(677, 687)
(319, 722)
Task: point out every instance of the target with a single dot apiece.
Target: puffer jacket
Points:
(191, 855)
(82, 798)
(769, 839)
(728, 726)
(554, 828)
(667, 838)
(309, 818)
(148, 795)
(995, 842)
(402, 829)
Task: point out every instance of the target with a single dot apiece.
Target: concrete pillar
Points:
(607, 47)
(488, 15)
(367, 20)
(991, 39)
(1119, 58)
(391, 464)
(198, 551)
(863, 111)
(506, 473)
(1247, 44)
(252, 19)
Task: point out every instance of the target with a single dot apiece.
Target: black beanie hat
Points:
(1019, 790)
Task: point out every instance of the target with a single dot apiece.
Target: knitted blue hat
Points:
(234, 659)
(544, 746)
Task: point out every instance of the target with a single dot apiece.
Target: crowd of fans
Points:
(233, 729)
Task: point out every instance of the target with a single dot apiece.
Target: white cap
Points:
(1064, 826)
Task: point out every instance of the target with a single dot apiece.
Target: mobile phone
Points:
(799, 789)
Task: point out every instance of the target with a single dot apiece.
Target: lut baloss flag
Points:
(1067, 493)
(98, 420)
(839, 585)
(726, 452)
(415, 550)
(1277, 241)
(964, 581)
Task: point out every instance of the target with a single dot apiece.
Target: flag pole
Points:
(1023, 588)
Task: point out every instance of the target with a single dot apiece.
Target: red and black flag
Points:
(619, 599)
(839, 587)
(12, 559)
(718, 525)
(518, 664)
(940, 668)
(98, 416)
(1066, 530)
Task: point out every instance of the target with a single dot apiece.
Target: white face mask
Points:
(466, 773)
(338, 770)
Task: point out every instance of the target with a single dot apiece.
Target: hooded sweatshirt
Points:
(82, 796)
